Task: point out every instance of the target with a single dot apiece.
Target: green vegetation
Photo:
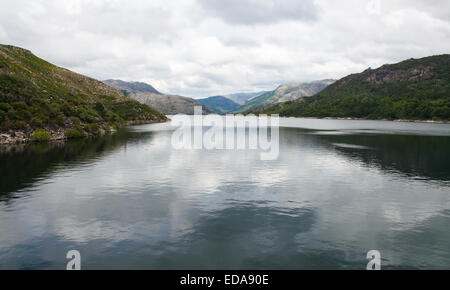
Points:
(35, 94)
(219, 104)
(40, 135)
(75, 132)
(413, 89)
(284, 93)
(258, 102)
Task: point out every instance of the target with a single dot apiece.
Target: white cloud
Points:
(256, 11)
(200, 48)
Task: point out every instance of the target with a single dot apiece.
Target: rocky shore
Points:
(20, 137)
(24, 136)
(398, 120)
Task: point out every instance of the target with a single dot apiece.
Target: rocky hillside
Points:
(415, 89)
(219, 104)
(40, 101)
(132, 86)
(166, 104)
(242, 98)
(284, 93)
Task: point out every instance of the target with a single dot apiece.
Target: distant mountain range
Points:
(242, 98)
(241, 102)
(229, 103)
(284, 93)
(232, 103)
(220, 104)
(414, 89)
(166, 104)
(40, 101)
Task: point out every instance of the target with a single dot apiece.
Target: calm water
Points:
(129, 201)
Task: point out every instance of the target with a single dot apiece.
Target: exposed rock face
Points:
(293, 91)
(385, 75)
(407, 71)
(166, 104)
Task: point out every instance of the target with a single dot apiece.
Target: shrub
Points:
(86, 116)
(108, 98)
(40, 135)
(75, 120)
(108, 116)
(68, 110)
(5, 107)
(128, 111)
(20, 106)
(75, 132)
(23, 114)
(18, 125)
(37, 101)
(92, 129)
(57, 120)
(36, 122)
(12, 115)
(99, 107)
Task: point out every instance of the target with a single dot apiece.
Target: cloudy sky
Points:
(200, 48)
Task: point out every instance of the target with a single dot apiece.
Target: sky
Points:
(200, 48)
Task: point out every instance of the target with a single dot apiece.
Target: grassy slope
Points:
(416, 89)
(35, 94)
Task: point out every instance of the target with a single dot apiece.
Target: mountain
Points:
(167, 104)
(39, 100)
(228, 103)
(133, 86)
(219, 104)
(284, 93)
(242, 98)
(414, 89)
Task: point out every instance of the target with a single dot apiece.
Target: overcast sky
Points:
(200, 48)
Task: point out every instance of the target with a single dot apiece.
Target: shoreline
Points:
(22, 137)
(386, 120)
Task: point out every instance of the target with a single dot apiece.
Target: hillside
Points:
(284, 93)
(242, 98)
(48, 102)
(166, 104)
(415, 89)
(133, 86)
(219, 104)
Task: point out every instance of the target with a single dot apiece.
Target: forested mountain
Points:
(415, 89)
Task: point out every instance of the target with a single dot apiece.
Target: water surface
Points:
(129, 201)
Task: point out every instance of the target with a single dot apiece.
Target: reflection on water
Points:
(129, 201)
(22, 165)
(416, 156)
